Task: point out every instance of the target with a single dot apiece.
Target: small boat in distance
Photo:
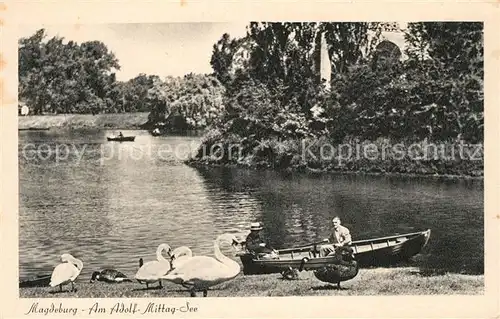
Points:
(121, 138)
(156, 132)
(34, 129)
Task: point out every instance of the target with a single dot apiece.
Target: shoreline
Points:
(375, 281)
(313, 171)
(288, 156)
(135, 121)
(124, 121)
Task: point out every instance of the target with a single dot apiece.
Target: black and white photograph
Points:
(252, 158)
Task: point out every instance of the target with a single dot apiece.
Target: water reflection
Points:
(111, 210)
(296, 209)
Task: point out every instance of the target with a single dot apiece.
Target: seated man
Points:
(256, 244)
(340, 236)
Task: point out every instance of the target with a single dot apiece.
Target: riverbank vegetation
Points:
(276, 102)
(378, 107)
(125, 121)
(64, 77)
(387, 281)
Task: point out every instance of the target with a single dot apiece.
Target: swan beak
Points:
(236, 244)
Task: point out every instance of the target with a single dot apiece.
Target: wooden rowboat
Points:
(382, 251)
(37, 281)
(389, 250)
(294, 260)
(122, 138)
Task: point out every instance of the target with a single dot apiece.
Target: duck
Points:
(66, 272)
(344, 268)
(152, 271)
(109, 276)
(180, 255)
(199, 273)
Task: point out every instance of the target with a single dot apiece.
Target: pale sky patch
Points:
(161, 48)
(156, 48)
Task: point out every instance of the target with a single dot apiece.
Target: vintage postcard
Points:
(186, 159)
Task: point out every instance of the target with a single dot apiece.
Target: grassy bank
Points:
(382, 156)
(379, 281)
(75, 121)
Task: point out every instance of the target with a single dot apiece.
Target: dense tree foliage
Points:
(191, 102)
(223, 57)
(436, 93)
(58, 77)
(451, 80)
(267, 85)
(65, 78)
(274, 96)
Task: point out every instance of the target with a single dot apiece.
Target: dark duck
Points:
(345, 268)
(109, 276)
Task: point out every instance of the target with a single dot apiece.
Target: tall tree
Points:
(349, 42)
(448, 56)
(60, 77)
(222, 59)
(31, 80)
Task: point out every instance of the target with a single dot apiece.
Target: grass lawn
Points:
(378, 281)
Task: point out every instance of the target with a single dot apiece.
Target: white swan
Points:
(199, 273)
(66, 272)
(180, 255)
(151, 271)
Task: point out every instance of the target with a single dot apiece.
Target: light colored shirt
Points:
(341, 236)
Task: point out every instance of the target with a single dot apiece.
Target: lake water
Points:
(110, 204)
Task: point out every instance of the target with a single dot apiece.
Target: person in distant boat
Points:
(340, 236)
(120, 134)
(256, 244)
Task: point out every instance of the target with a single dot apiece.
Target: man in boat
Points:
(256, 244)
(120, 134)
(340, 236)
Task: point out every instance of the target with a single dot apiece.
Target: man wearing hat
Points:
(255, 243)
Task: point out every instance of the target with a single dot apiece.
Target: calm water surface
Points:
(110, 204)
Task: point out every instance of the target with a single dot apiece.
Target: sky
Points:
(162, 48)
(154, 48)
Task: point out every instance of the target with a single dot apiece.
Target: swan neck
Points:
(221, 257)
(159, 255)
(77, 262)
(183, 251)
(218, 254)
